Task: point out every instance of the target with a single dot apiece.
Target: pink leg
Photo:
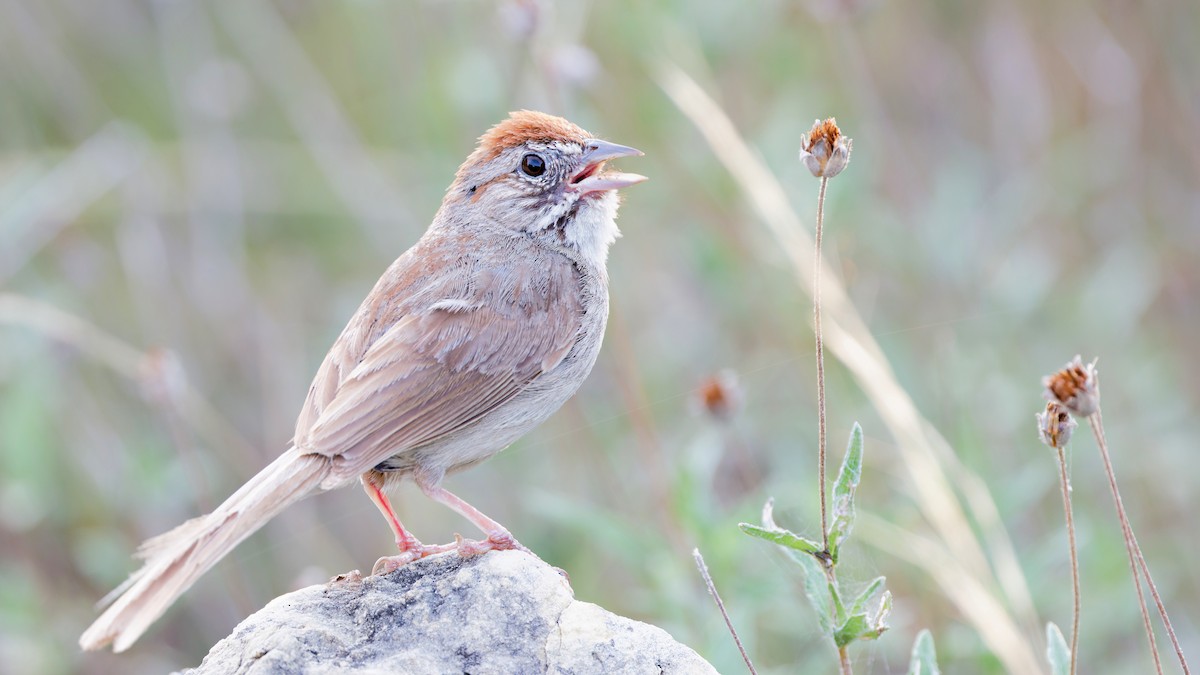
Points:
(404, 541)
(410, 548)
(498, 536)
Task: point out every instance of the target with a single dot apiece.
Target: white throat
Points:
(593, 229)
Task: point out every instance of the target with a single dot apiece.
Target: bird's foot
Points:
(499, 540)
(390, 563)
(412, 550)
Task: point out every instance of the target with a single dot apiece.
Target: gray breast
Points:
(586, 292)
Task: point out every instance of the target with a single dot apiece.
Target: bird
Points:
(470, 339)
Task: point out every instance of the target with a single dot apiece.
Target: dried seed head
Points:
(720, 396)
(1055, 425)
(825, 151)
(1077, 386)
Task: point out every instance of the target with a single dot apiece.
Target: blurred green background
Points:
(195, 196)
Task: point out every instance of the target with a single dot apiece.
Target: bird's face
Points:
(546, 185)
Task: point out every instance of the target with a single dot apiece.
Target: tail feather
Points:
(176, 559)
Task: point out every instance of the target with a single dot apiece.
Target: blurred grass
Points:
(226, 181)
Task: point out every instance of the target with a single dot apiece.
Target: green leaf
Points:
(924, 658)
(861, 627)
(1057, 651)
(839, 609)
(819, 593)
(843, 492)
(860, 603)
(781, 537)
(855, 627)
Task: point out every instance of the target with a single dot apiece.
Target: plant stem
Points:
(712, 589)
(1158, 603)
(1066, 493)
(1135, 553)
(844, 660)
(820, 360)
(1127, 531)
(843, 653)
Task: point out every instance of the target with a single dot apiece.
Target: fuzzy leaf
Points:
(1057, 651)
(855, 627)
(924, 659)
(860, 603)
(843, 492)
(823, 597)
(859, 626)
(819, 593)
(782, 537)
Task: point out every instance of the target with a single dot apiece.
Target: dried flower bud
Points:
(1055, 425)
(720, 396)
(1076, 386)
(825, 151)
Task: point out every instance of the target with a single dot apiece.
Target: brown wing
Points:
(443, 340)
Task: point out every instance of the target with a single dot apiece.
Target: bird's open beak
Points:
(590, 179)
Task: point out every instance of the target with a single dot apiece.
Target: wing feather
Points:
(427, 354)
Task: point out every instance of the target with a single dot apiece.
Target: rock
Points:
(501, 612)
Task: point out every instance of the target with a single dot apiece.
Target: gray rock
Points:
(501, 612)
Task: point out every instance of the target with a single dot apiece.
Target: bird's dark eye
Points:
(533, 165)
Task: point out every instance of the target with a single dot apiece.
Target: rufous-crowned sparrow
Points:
(470, 339)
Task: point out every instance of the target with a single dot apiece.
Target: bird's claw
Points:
(391, 563)
(500, 540)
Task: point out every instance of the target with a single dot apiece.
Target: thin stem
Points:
(1098, 429)
(712, 589)
(843, 653)
(820, 360)
(844, 660)
(1158, 603)
(1130, 543)
(1066, 493)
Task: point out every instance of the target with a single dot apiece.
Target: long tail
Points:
(175, 560)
